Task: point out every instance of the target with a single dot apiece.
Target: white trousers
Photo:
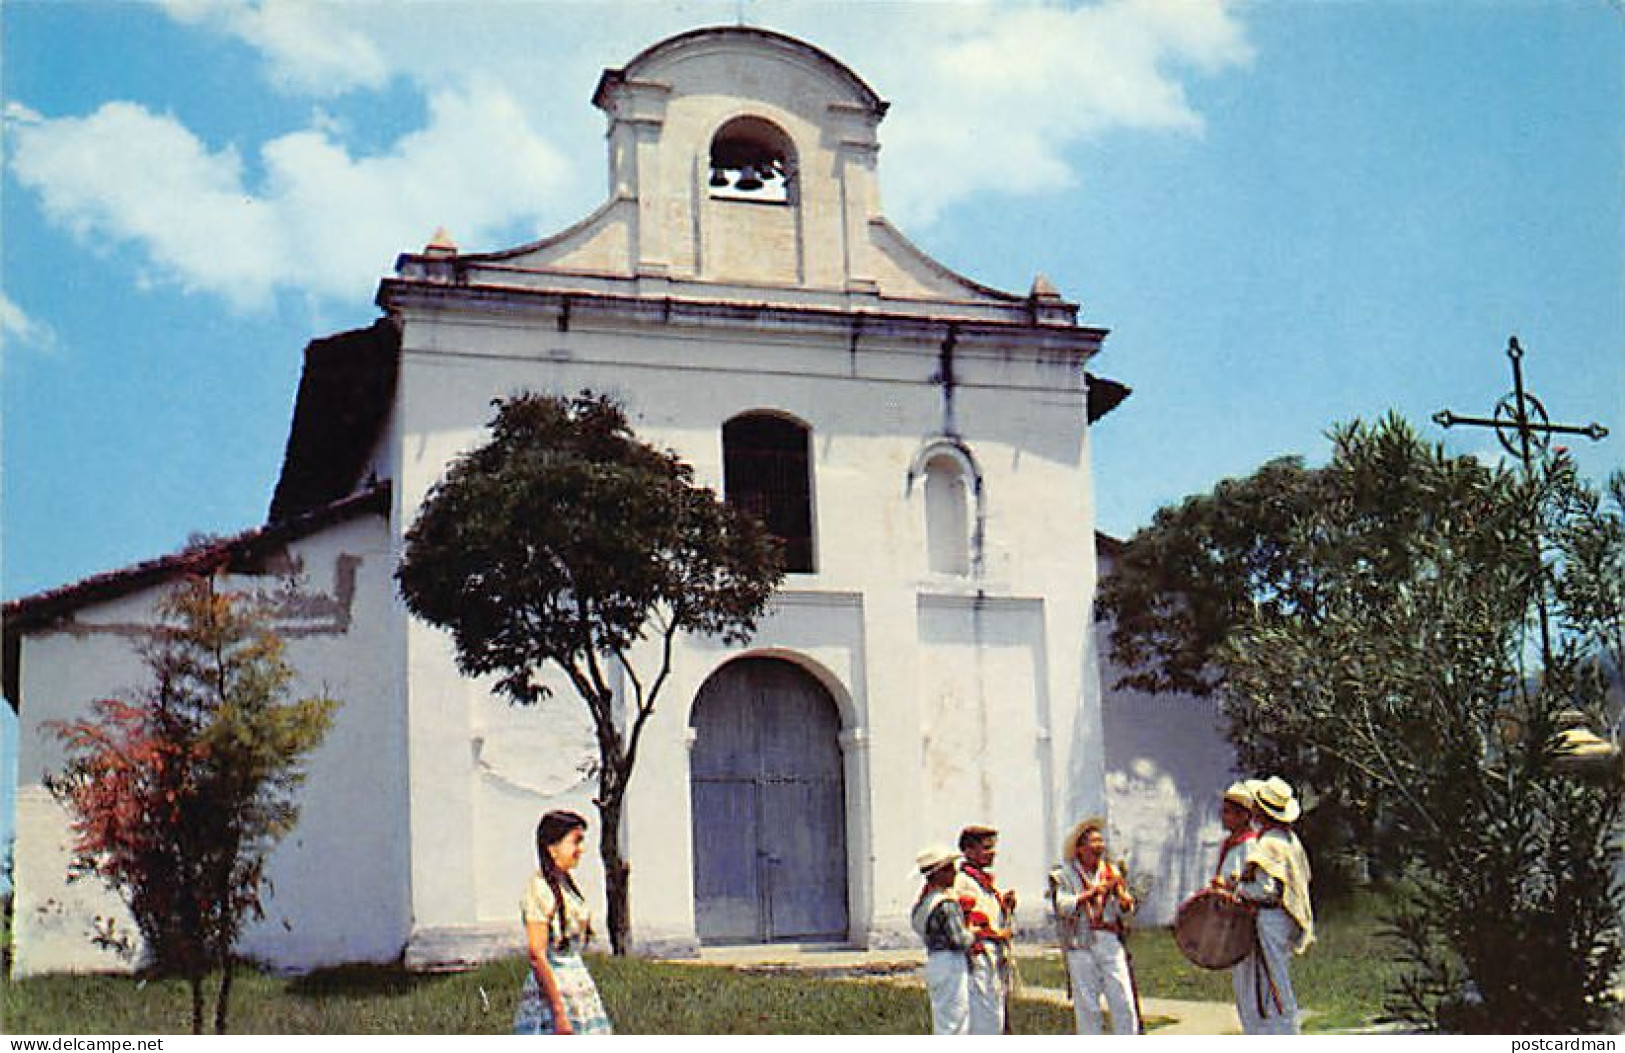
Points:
(986, 996)
(947, 978)
(1277, 932)
(1102, 969)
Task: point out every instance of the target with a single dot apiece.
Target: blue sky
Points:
(1288, 213)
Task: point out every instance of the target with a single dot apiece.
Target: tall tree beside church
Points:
(1370, 629)
(178, 795)
(566, 541)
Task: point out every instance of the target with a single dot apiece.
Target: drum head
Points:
(1214, 930)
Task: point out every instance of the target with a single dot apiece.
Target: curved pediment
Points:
(659, 61)
(744, 165)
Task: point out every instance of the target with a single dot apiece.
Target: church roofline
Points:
(395, 293)
(1104, 396)
(612, 78)
(240, 552)
(945, 271)
(547, 241)
(346, 389)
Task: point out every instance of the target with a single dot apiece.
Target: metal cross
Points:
(1520, 421)
(1523, 427)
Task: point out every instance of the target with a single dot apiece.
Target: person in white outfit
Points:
(1275, 880)
(940, 923)
(990, 913)
(1091, 901)
(1236, 813)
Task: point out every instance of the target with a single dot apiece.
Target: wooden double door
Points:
(769, 807)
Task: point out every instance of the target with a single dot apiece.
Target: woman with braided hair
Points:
(559, 997)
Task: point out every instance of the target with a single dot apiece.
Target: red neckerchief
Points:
(1235, 840)
(983, 931)
(980, 876)
(1096, 911)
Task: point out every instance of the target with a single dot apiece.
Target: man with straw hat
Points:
(940, 922)
(1275, 880)
(1236, 814)
(991, 916)
(1236, 810)
(1091, 900)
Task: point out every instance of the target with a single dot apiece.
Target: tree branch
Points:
(646, 706)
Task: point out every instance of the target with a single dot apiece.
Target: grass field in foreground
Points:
(1340, 981)
(642, 998)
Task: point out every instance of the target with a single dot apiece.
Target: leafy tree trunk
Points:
(617, 873)
(223, 1000)
(195, 980)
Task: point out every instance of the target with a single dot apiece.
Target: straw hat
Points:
(934, 858)
(1069, 844)
(1242, 792)
(1275, 799)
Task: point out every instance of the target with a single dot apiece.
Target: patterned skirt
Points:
(579, 993)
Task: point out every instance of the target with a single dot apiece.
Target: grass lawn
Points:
(642, 998)
(1341, 980)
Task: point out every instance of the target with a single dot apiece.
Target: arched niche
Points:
(951, 495)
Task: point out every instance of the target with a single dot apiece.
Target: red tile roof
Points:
(243, 551)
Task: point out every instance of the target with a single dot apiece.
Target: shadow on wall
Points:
(1167, 763)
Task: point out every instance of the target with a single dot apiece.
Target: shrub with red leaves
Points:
(178, 796)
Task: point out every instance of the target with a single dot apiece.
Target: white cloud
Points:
(1001, 97)
(990, 99)
(307, 44)
(19, 330)
(321, 221)
(126, 174)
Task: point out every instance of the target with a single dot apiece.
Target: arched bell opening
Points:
(751, 159)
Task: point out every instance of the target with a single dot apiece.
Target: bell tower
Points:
(750, 158)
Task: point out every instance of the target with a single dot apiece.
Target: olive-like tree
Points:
(1371, 629)
(566, 541)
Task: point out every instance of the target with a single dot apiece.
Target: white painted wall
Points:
(340, 878)
(980, 676)
(1167, 765)
(965, 698)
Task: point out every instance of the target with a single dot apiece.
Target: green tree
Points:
(1368, 627)
(564, 540)
(178, 796)
(7, 900)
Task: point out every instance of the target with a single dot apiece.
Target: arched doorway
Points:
(769, 807)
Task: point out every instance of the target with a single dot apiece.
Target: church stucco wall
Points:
(870, 413)
(1167, 763)
(339, 879)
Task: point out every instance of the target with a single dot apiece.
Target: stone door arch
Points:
(769, 807)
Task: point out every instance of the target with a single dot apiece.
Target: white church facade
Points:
(919, 440)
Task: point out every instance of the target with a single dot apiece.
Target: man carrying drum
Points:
(1091, 900)
(1236, 813)
(1275, 880)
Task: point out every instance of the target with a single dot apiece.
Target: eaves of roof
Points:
(437, 284)
(242, 552)
(1104, 396)
(345, 393)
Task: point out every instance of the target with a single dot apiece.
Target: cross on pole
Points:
(1520, 414)
(1521, 423)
